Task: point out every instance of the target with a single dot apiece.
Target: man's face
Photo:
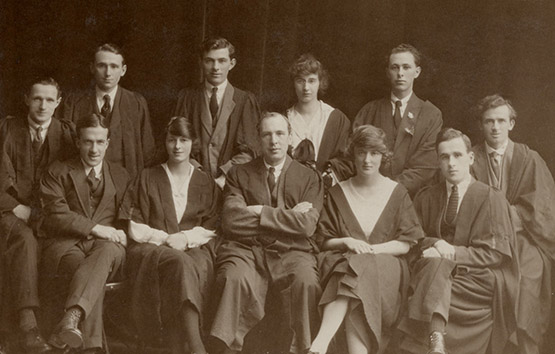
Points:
(108, 69)
(92, 144)
(275, 139)
(306, 87)
(455, 160)
(42, 100)
(216, 64)
(402, 71)
(496, 125)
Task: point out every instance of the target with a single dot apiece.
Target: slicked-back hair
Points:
(44, 81)
(92, 120)
(307, 64)
(216, 43)
(182, 126)
(267, 115)
(493, 101)
(369, 138)
(112, 48)
(447, 134)
(405, 48)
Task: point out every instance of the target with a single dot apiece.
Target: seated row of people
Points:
(267, 221)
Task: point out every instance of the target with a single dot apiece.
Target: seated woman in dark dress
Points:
(170, 260)
(370, 222)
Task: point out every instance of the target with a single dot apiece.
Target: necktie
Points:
(37, 142)
(214, 106)
(271, 178)
(106, 108)
(397, 114)
(92, 181)
(495, 159)
(452, 205)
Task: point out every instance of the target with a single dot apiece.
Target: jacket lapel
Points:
(77, 175)
(109, 191)
(54, 144)
(408, 124)
(205, 117)
(480, 166)
(227, 107)
(386, 121)
(165, 192)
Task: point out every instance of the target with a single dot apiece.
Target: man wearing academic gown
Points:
(410, 124)
(528, 185)
(224, 117)
(271, 208)
(131, 140)
(466, 283)
(85, 244)
(28, 145)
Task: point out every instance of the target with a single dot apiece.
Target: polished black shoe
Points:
(56, 342)
(31, 342)
(68, 329)
(437, 343)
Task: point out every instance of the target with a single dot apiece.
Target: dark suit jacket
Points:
(234, 140)
(247, 185)
(20, 173)
(65, 196)
(414, 160)
(131, 140)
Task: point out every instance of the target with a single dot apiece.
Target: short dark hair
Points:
(91, 120)
(307, 64)
(447, 134)
(493, 101)
(112, 48)
(216, 43)
(404, 48)
(267, 115)
(44, 81)
(369, 138)
(181, 126)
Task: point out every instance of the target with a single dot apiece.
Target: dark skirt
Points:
(375, 281)
(163, 279)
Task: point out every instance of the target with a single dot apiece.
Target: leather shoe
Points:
(32, 342)
(437, 343)
(69, 332)
(56, 342)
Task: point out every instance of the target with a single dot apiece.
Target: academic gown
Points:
(378, 282)
(162, 278)
(131, 139)
(531, 192)
(477, 292)
(414, 160)
(234, 139)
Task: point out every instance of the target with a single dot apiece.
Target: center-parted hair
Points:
(447, 134)
(307, 64)
(181, 126)
(370, 138)
(216, 43)
(267, 115)
(112, 48)
(91, 120)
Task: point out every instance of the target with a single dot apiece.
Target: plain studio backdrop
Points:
(471, 49)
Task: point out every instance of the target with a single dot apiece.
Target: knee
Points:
(112, 251)
(306, 279)
(435, 264)
(22, 240)
(233, 274)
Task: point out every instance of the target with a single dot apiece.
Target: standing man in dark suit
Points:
(224, 117)
(28, 145)
(523, 176)
(85, 248)
(126, 112)
(410, 123)
(270, 212)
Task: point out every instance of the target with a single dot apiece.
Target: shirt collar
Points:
(221, 88)
(404, 101)
(500, 150)
(97, 169)
(34, 125)
(277, 168)
(112, 93)
(462, 187)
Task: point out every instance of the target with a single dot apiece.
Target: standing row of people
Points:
(431, 270)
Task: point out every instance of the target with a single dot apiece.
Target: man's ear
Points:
(123, 69)
(232, 63)
(418, 71)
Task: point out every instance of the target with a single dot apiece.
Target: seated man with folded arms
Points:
(463, 289)
(410, 123)
(271, 208)
(28, 145)
(523, 176)
(85, 247)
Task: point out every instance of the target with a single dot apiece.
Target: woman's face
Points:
(367, 162)
(178, 148)
(306, 87)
